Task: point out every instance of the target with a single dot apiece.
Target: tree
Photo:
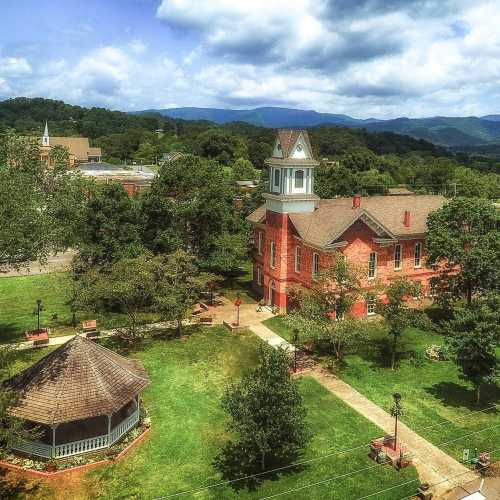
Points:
(317, 310)
(128, 285)
(40, 207)
(395, 311)
(220, 145)
(110, 229)
(266, 413)
(243, 170)
(191, 205)
(473, 338)
(11, 428)
(464, 245)
(179, 284)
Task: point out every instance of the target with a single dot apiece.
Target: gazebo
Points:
(81, 397)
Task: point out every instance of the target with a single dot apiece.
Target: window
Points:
(299, 179)
(315, 266)
(370, 305)
(418, 254)
(397, 257)
(273, 254)
(259, 242)
(297, 259)
(372, 265)
(259, 276)
(276, 178)
(299, 147)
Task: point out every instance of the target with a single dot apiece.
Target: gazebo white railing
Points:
(81, 446)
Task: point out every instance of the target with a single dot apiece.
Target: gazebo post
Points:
(53, 427)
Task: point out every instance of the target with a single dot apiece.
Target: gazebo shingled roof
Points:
(79, 380)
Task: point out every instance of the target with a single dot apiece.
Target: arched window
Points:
(276, 178)
(299, 179)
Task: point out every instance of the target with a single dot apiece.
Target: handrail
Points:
(80, 446)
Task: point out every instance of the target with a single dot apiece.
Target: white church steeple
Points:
(45, 138)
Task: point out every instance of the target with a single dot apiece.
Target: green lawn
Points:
(18, 297)
(240, 283)
(188, 379)
(432, 392)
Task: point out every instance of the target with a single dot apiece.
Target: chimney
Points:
(407, 218)
(356, 201)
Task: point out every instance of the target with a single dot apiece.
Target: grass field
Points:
(18, 297)
(188, 379)
(432, 392)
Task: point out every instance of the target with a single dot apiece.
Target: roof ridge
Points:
(61, 384)
(98, 377)
(106, 352)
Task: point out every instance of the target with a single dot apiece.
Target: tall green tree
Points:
(220, 145)
(473, 338)
(179, 286)
(40, 207)
(128, 285)
(191, 205)
(110, 228)
(463, 243)
(266, 414)
(395, 311)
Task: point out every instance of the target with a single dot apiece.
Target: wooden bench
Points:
(89, 328)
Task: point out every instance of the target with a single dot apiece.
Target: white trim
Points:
(398, 257)
(315, 268)
(417, 261)
(371, 303)
(272, 255)
(259, 242)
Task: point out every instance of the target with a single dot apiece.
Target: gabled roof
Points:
(333, 217)
(289, 137)
(79, 380)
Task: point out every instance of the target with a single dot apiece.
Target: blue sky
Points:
(381, 58)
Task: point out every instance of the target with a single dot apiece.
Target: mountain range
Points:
(445, 131)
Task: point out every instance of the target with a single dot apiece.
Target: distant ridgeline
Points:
(361, 145)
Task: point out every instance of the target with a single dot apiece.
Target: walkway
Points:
(55, 263)
(433, 465)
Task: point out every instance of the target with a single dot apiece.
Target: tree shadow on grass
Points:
(9, 332)
(14, 486)
(235, 465)
(459, 396)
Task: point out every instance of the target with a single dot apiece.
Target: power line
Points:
(367, 468)
(296, 464)
(417, 479)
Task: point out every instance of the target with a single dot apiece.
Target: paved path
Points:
(55, 263)
(433, 465)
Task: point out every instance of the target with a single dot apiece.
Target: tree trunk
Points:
(179, 327)
(394, 345)
(262, 460)
(469, 294)
(478, 394)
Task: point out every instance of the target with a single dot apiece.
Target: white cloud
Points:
(14, 66)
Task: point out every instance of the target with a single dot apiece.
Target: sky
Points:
(364, 58)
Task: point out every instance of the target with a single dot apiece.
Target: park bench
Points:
(89, 328)
(39, 337)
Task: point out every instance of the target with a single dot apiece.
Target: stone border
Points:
(106, 461)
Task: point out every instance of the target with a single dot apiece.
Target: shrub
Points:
(436, 352)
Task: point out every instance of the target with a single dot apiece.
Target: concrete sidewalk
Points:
(433, 465)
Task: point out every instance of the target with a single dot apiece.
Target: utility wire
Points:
(366, 468)
(303, 462)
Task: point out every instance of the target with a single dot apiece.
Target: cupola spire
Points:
(45, 138)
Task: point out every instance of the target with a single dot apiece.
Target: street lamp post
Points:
(396, 412)
(39, 308)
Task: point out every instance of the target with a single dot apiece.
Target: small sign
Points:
(466, 455)
(238, 302)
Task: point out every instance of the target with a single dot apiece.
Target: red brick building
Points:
(297, 233)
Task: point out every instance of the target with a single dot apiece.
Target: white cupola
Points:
(291, 173)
